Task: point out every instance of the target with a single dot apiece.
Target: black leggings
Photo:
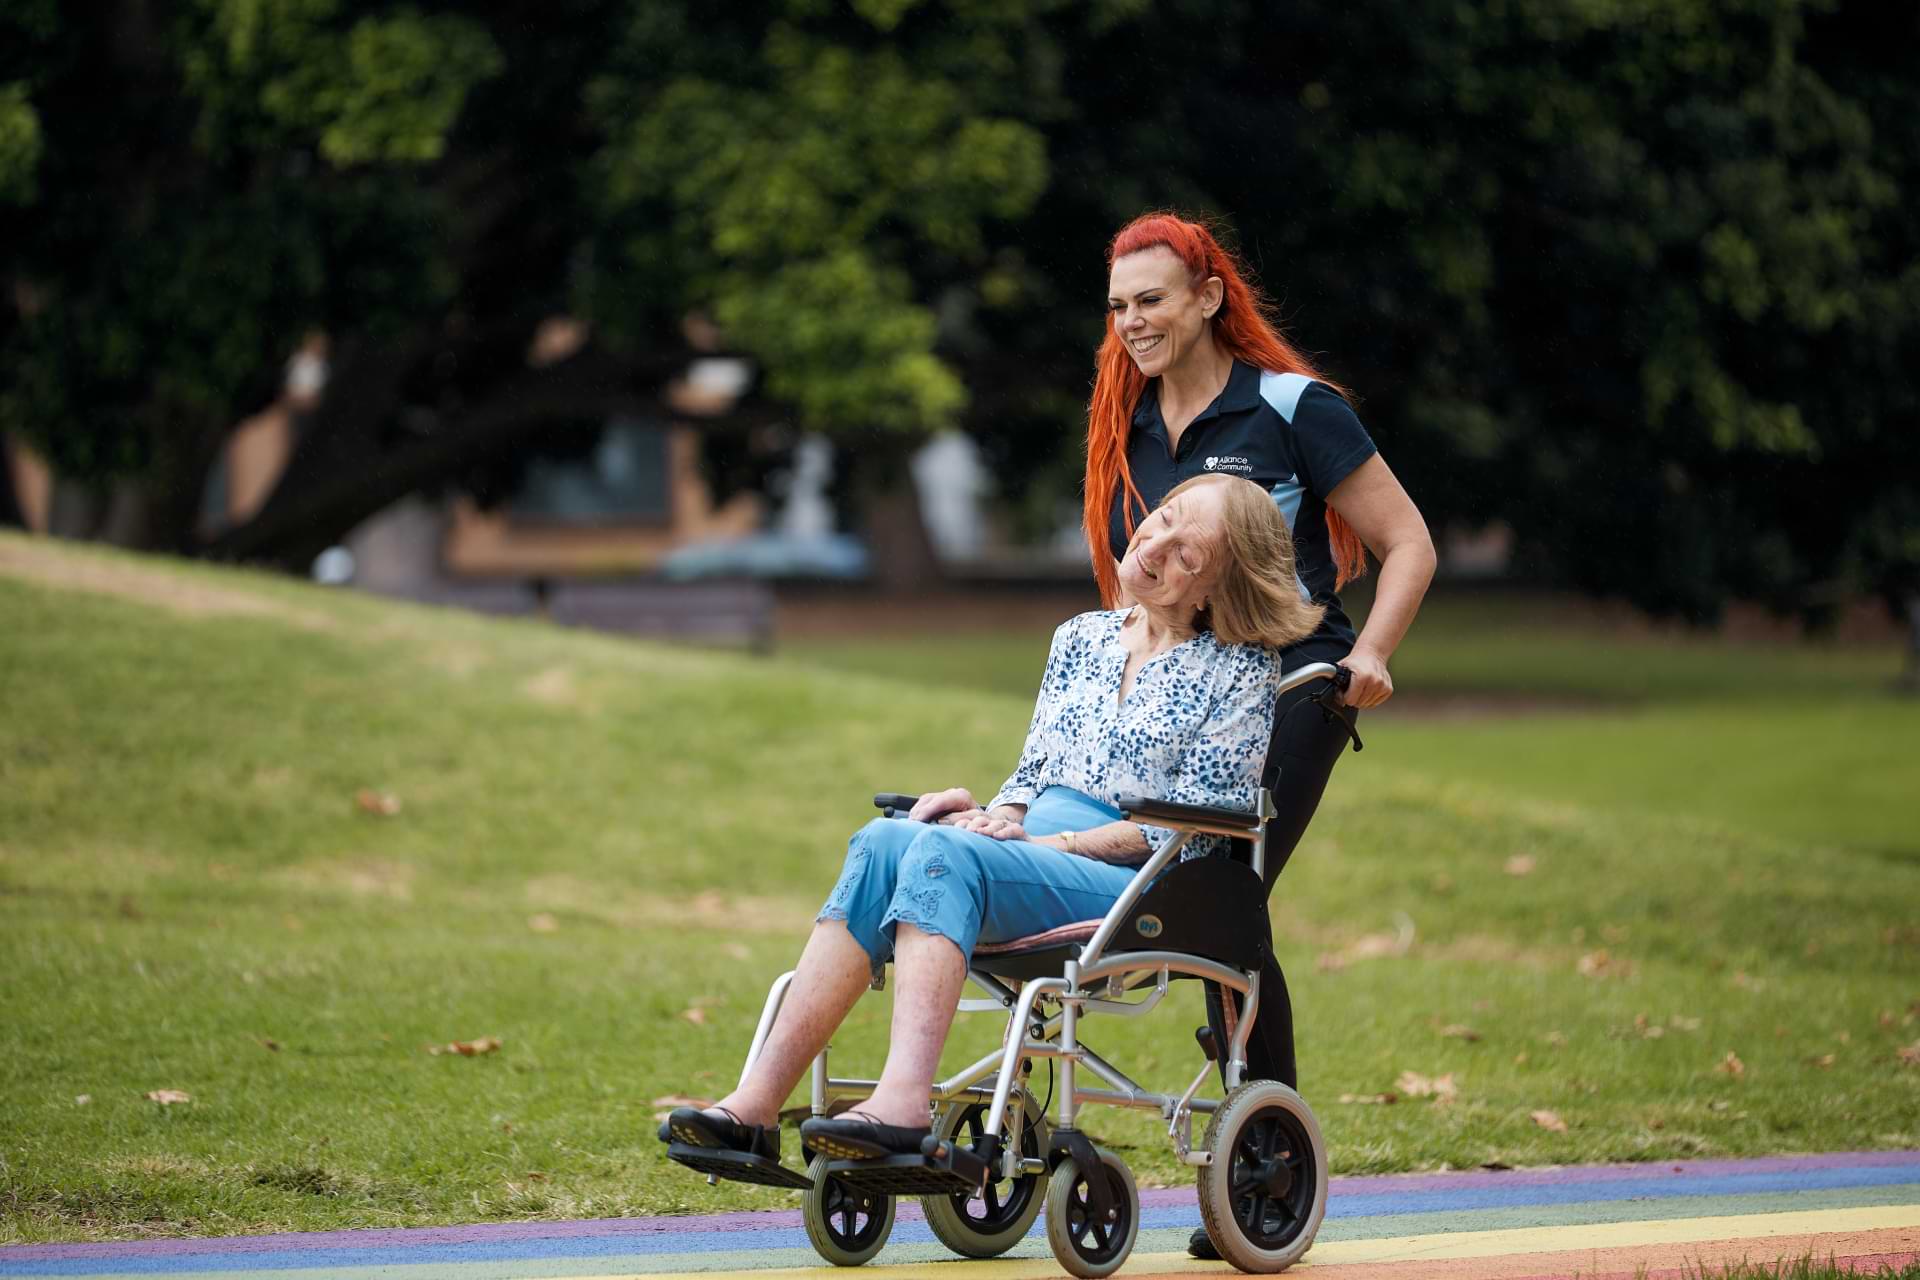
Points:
(1307, 742)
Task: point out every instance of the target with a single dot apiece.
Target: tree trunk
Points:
(881, 488)
(127, 520)
(74, 510)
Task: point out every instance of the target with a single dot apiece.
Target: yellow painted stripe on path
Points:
(1461, 1244)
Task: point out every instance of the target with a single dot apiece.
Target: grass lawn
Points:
(603, 851)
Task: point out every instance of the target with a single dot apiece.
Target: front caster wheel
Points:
(1087, 1244)
(1265, 1193)
(987, 1224)
(847, 1225)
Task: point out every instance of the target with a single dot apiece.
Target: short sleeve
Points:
(1328, 439)
(1025, 782)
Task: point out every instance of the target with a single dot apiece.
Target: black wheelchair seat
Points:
(1215, 908)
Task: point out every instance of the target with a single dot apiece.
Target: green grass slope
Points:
(603, 851)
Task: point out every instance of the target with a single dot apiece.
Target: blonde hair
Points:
(1256, 596)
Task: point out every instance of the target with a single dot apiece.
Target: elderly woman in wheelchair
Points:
(1113, 860)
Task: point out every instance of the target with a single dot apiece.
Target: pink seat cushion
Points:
(1055, 937)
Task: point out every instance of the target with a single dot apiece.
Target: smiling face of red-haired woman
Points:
(1160, 313)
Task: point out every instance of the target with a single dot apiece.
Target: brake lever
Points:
(1339, 710)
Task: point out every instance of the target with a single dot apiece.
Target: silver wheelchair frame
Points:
(1097, 982)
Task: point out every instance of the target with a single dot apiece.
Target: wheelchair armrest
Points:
(1238, 823)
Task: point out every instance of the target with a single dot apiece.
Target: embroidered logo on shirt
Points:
(1229, 463)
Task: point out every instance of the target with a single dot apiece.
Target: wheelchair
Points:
(995, 1159)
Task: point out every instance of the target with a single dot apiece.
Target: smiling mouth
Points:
(1143, 345)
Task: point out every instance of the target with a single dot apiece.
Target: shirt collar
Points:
(1241, 393)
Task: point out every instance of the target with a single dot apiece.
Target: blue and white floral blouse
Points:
(1194, 728)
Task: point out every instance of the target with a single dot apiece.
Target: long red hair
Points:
(1242, 328)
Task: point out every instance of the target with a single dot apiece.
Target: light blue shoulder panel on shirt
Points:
(1283, 392)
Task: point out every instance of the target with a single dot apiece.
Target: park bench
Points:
(729, 611)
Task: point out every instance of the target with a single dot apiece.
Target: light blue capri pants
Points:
(970, 888)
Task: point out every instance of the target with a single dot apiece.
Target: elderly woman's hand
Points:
(996, 825)
(935, 804)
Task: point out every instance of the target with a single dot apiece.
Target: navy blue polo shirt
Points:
(1295, 438)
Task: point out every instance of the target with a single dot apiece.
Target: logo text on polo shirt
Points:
(1230, 463)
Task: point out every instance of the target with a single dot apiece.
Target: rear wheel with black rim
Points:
(987, 1223)
(1265, 1193)
(847, 1225)
(1088, 1243)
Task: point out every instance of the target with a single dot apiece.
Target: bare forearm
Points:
(1113, 842)
(1405, 573)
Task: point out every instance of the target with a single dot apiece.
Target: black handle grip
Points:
(894, 804)
(1342, 679)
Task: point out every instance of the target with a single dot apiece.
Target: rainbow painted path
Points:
(1600, 1222)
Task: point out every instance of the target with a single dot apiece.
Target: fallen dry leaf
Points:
(1371, 946)
(1824, 1061)
(1886, 1018)
(1909, 1054)
(168, 1097)
(1457, 1031)
(1549, 1120)
(383, 804)
(1520, 1058)
(468, 1048)
(543, 922)
(82, 1099)
(1719, 1104)
(1370, 1099)
(1440, 1088)
(696, 1015)
(1602, 964)
(1679, 1023)
(1731, 1065)
(1520, 864)
(1648, 1030)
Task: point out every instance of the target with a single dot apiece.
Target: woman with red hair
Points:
(1195, 378)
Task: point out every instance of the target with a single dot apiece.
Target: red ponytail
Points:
(1242, 329)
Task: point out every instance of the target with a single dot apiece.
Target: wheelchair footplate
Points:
(941, 1168)
(738, 1166)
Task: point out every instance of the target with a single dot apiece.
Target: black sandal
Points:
(854, 1135)
(726, 1131)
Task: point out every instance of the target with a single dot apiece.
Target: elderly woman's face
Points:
(1158, 312)
(1174, 558)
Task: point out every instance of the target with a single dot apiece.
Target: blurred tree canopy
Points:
(1637, 277)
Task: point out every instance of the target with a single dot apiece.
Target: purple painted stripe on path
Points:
(761, 1220)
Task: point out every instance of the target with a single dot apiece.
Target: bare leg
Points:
(929, 972)
(832, 972)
